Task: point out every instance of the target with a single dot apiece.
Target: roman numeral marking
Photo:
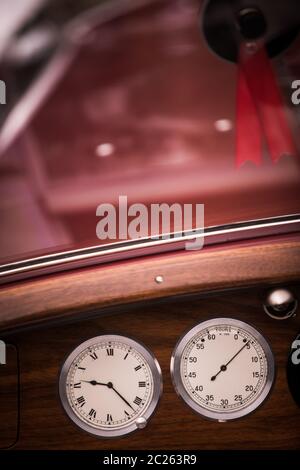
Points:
(127, 414)
(110, 352)
(137, 401)
(92, 413)
(125, 357)
(137, 367)
(81, 401)
(94, 356)
(109, 418)
(82, 368)
(77, 385)
(142, 384)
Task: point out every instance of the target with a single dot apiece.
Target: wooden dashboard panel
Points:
(64, 295)
(44, 424)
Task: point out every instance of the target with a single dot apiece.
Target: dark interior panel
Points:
(9, 398)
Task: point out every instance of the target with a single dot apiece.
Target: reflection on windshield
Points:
(147, 111)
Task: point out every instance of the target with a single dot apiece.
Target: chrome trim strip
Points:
(146, 246)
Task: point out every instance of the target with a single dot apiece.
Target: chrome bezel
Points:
(133, 425)
(180, 388)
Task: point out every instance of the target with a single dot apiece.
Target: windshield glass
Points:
(145, 109)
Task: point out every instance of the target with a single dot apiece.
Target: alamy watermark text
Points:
(157, 221)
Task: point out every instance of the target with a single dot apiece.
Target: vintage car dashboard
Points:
(133, 332)
(137, 342)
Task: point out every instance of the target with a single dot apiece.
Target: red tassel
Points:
(260, 110)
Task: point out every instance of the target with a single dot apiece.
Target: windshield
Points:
(137, 105)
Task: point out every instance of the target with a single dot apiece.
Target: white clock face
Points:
(110, 385)
(223, 369)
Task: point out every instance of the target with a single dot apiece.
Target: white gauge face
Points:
(110, 385)
(223, 369)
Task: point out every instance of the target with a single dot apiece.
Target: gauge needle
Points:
(109, 385)
(223, 368)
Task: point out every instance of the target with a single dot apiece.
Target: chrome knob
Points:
(280, 304)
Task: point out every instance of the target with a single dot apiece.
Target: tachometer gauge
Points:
(110, 385)
(223, 369)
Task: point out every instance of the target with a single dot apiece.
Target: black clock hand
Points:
(223, 368)
(109, 385)
(94, 382)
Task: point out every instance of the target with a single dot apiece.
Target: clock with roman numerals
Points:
(110, 385)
